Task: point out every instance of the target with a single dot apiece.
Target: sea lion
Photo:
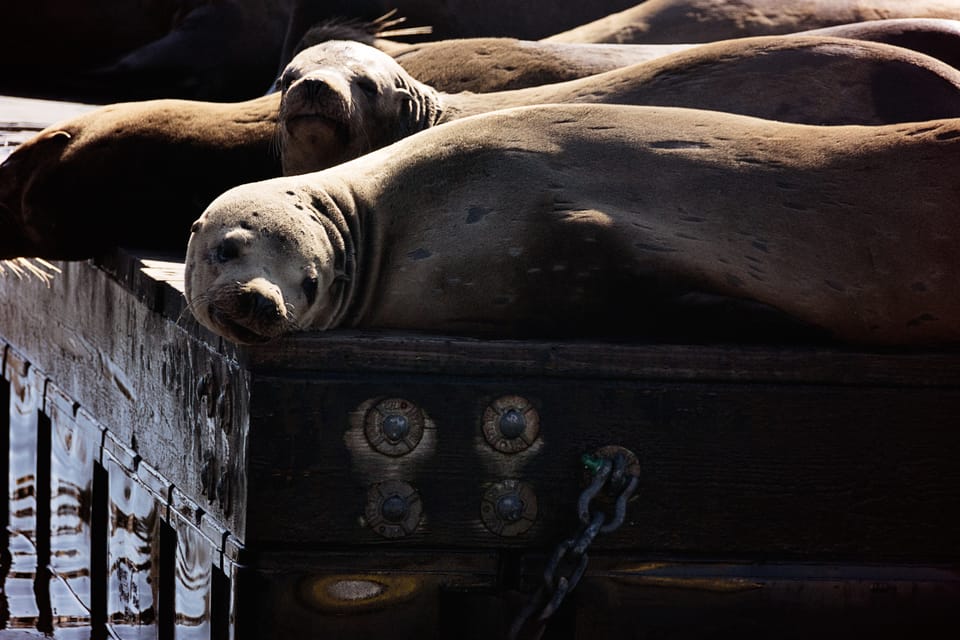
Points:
(344, 98)
(937, 37)
(85, 185)
(686, 21)
(499, 64)
(221, 50)
(585, 220)
(115, 50)
(134, 174)
(487, 64)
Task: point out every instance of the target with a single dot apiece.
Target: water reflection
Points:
(71, 486)
(133, 539)
(193, 583)
(79, 537)
(22, 609)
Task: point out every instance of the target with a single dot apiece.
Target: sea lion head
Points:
(341, 99)
(261, 263)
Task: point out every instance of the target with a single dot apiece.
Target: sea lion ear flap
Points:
(60, 136)
(418, 107)
(409, 117)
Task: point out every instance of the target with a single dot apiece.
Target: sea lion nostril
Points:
(315, 87)
(257, 305)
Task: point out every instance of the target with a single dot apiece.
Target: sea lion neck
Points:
(341, 216)
(425, 108)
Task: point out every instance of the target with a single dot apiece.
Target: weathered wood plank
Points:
(372, 352)
(794, 470)
(161, 390)
(621, 596)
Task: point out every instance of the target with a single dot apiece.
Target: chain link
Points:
(569, 560)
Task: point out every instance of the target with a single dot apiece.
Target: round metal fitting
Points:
(510, 424)
(630, 468)
(508, 508)
(393, 508)
(393, 426)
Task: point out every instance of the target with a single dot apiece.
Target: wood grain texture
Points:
(161, 390)
(764, 451)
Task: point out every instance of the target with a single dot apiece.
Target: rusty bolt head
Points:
(393, 508)
(510, 424)
(508, 508)
(394, 426)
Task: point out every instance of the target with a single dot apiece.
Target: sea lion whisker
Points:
(26, 267)
(276, 143)
(191, 305)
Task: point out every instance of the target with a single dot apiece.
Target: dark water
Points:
(89, 550)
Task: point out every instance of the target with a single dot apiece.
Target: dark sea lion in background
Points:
(132, 174)
(223, 50)
(116, 50)
(593, 220)
(343, 98)
(689, 21)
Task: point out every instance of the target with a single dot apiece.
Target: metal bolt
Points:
(510, 424)
(393, 508)
(394, 426)
(508, 508)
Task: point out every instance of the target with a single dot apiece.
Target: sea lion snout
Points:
(249, 312)
(318, 93)
(261, 301)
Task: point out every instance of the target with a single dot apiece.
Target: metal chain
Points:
(569, 560)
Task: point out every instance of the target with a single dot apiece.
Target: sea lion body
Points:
(809, 80)
(577, 220)
(135, 174)
(72, 197)
(687, 21)
(498, 64)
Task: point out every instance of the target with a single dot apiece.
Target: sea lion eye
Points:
(368, 86)
(309, 286)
